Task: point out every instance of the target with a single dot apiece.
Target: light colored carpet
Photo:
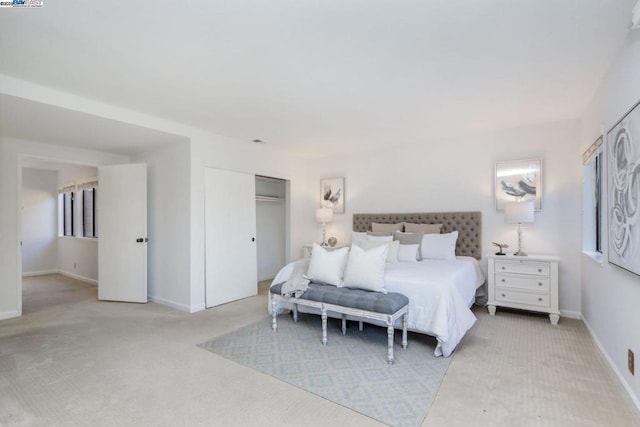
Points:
(351, 370)
(74, 361)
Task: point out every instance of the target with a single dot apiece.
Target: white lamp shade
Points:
(324, 215)
(518, 212)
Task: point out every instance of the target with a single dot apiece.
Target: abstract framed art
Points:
(332, 194)
(623, 196)
(519, 180)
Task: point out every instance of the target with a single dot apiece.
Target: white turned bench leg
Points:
(390, 332)
(274, 324)
(324, 326)
(344, 324)
(405, 321)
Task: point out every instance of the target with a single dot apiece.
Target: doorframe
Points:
(21, 157)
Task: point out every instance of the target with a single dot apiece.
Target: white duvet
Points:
(440, 294)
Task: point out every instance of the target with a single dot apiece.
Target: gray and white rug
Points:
(350, 370)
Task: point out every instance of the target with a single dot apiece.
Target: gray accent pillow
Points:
(377, 227)
(422, 228)
(409, 239)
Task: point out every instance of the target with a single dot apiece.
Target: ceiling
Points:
(25, 119)
(315, 78)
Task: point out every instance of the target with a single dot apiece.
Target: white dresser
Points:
(527, 283)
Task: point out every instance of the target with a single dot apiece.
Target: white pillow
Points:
(408, 253)
(365, 269)
(327, 266)
(357, 237)
(385, 238)
(392, 252)
(439, 246)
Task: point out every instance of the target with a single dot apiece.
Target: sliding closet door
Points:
(230, 231)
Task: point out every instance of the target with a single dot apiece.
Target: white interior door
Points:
(122, 233)
(230, 229)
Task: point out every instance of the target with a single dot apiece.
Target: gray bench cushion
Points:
(354, 298)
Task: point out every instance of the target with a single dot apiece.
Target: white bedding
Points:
(440, 294)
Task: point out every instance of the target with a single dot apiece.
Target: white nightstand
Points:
(524, 282)
(306, 249)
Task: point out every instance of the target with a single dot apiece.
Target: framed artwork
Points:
(519, 180)
(623, 197)
(332, 194)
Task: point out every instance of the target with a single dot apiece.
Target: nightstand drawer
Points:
(530, 298)
(521, 267)
(523, 282)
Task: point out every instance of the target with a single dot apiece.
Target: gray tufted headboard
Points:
(468, 224)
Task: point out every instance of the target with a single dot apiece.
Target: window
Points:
(77, 209)
(598, 195)
(67, 213)
(593, 199)
(89, 228)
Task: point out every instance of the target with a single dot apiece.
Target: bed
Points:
(440, 292)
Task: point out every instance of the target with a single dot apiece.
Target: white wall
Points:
(458, 175)
(168, 230)
(270, 228)
(39, 221)
(610, 296)
(11, 153)
(78, 257)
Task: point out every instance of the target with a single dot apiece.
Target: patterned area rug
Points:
(350, 370)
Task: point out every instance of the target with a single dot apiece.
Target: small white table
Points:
(524, 282)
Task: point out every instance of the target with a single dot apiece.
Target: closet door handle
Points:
(253, 239)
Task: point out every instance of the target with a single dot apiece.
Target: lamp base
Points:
(520, 253)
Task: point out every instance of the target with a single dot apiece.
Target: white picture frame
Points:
(332, 194)
(518, 180)
(623, 154)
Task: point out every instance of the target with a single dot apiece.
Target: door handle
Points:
(141, 240)
(253, 239)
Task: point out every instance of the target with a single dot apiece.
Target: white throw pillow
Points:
(408, 253)
(357, 237)
(384, 238)
(439, 246)
(392, 251)
(327, 266)
(365, 269)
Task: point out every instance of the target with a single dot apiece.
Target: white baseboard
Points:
(9, 315)
(621, 378)
(39, 273)
(178, 306)
(78, 277)
(571, 314)
(196, 308)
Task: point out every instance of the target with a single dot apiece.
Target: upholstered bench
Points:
(353, 302)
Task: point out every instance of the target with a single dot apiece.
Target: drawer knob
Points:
(539, 270)
(503, 295)
(539, 283)
(503, 267)
(539, 299)
(503, 280)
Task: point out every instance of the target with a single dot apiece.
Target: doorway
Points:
(271, 225)
(47, 251)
